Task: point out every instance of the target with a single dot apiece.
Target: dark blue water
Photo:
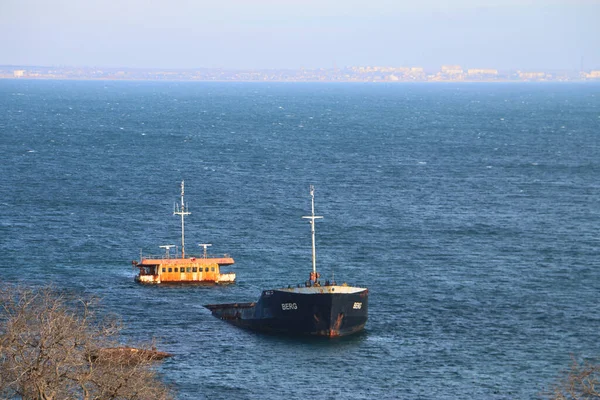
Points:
(471, 212)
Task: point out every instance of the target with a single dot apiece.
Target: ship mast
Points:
(312, 218)
(183, 213)
(167, 248)
(206, 246)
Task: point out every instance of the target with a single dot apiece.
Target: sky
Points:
(274, 34)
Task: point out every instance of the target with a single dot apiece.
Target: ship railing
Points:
(172, 256)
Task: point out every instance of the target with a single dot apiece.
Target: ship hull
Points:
(330, 311)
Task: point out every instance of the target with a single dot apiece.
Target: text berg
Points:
(289, 306)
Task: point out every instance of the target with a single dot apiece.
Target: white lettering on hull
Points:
(289, 306)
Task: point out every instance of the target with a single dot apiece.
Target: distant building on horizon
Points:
(531, 75)
(593, 75)
(482, 72)
(452, 70)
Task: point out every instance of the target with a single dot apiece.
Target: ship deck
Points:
(156, 260)
(329, 289)
(229, 306)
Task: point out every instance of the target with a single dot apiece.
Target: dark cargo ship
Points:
(312, 308)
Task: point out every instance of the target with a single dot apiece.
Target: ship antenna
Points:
(205, 245)
(183, 213)
(167, 247)
(312, 218)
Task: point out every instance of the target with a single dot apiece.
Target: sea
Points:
(471, 212)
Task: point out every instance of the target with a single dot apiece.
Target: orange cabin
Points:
(176, 270)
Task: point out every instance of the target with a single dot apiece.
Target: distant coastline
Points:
(447, 73)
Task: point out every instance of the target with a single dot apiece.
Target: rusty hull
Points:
(331, 311)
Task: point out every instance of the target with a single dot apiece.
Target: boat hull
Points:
(330, 311)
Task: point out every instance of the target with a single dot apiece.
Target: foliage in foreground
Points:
(581, 382)
(51, 347)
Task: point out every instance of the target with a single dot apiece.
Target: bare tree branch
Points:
(53, 346)
(580, 382)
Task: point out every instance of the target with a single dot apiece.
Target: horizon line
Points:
(288, 68)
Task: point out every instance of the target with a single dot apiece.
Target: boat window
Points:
(188, 269)
(164, 269)
(175, 269)
(212, 269)
(194, 269)
(170, 269)
(206, 269)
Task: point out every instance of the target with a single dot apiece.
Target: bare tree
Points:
(581, 382)
(53, 346)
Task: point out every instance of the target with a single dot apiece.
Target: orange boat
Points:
(203, 268)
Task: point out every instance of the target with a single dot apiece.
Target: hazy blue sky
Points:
(509, 34)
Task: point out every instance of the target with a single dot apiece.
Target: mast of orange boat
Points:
(183, 213)
(311, 219)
